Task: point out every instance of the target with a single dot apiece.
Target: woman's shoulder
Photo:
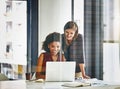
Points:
(79, 37)
(45, 53)
(42, 53)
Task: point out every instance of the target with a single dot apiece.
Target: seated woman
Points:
(52, 46)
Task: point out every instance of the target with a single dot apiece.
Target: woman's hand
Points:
(86, 77)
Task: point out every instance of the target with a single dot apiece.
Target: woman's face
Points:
(69, 34)
(54, 47)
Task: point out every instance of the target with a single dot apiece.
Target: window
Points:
(111, 45)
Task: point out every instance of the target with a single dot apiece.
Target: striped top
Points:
(74, 51)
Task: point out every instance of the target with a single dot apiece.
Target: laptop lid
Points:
(60, 71)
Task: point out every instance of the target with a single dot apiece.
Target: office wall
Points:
(79, 14)
(53, 14)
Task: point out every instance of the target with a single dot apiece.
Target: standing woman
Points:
(72, 45)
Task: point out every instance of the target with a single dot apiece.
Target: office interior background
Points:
(25, 24)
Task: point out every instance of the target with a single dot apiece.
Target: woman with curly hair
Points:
(51, 46)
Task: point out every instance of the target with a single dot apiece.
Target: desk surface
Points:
(22, 84)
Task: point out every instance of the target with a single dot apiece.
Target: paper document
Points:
(76, 84)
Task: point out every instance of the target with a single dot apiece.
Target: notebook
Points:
(60, 71)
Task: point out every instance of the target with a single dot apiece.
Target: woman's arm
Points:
(39, 63)
(39, 66)
(82, 68)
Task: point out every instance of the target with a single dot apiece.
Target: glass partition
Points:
(13, 37)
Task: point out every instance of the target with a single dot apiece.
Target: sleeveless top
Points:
(47, 57)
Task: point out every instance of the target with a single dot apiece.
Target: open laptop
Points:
(60, 71)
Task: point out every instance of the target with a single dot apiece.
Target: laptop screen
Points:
(60, 71)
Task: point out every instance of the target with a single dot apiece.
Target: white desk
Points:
(22, 84)
(15, 84)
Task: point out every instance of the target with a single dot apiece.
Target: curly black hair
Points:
(52, 37)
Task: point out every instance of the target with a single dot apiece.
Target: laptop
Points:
(60, 71)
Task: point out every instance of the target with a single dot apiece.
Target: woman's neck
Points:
(54, 57)
(69, 42)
